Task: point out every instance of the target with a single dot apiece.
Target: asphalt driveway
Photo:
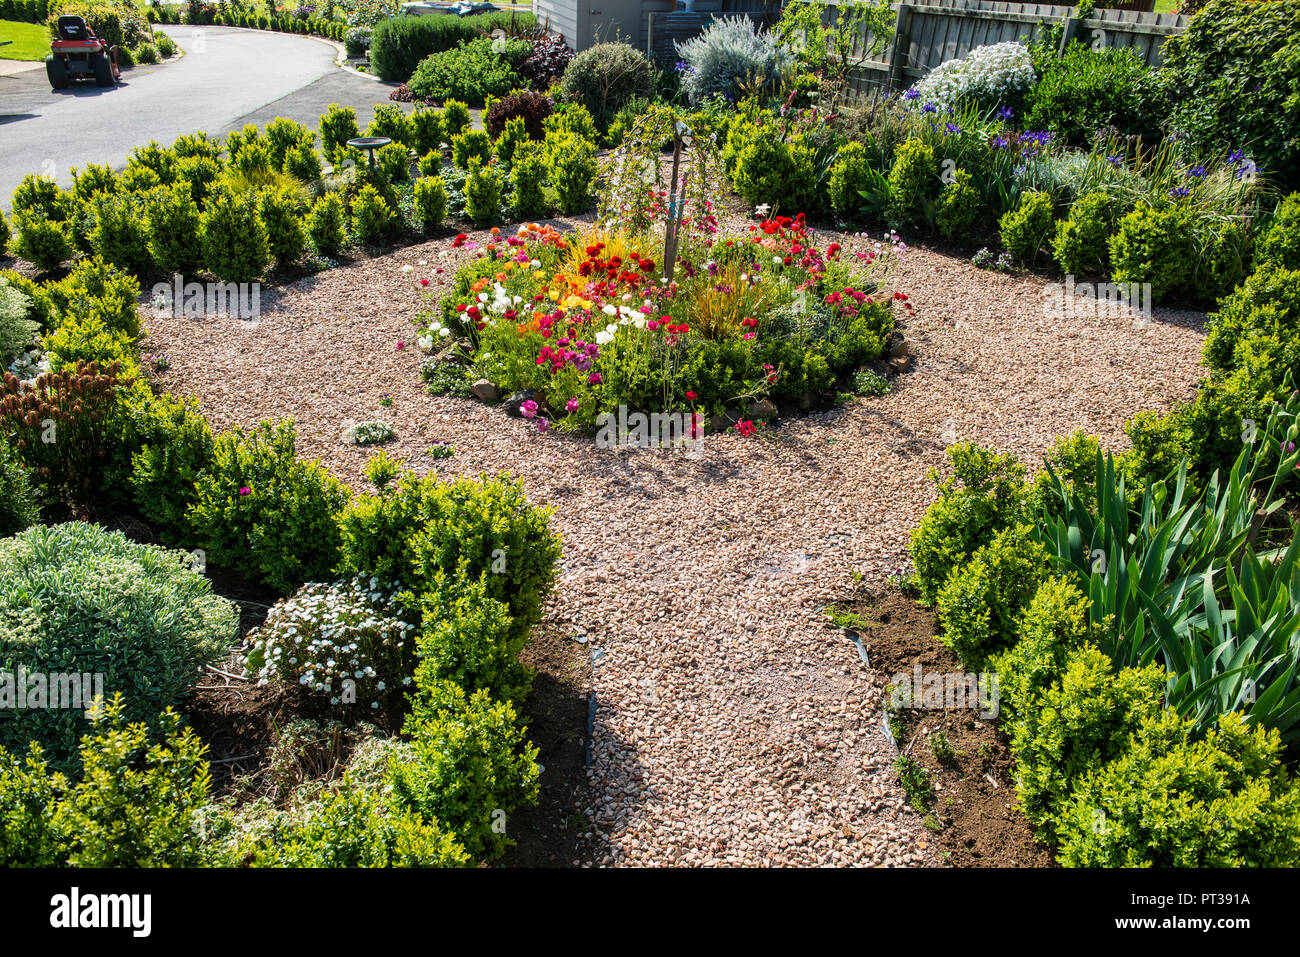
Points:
(227, 78)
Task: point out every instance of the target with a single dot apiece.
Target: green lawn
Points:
(1166, 6)
(31, 41)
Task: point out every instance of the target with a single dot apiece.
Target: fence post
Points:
(899, 50)
(1067, 34)
(650, 37)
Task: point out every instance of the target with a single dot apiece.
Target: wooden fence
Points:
(929, 32)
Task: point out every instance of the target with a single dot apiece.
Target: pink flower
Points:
(245, 491)
(424, 282)
(542, 424)
(690, 395)
(401, 344)
(595, 378)
(528, 408)
(571, 405)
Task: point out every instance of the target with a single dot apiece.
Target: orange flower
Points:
(501, 277)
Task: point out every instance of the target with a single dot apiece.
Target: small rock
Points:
(900, 364)
(763, 409)
(485, 390)
(900, 347)
(513, 403)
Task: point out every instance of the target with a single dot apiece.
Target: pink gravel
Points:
(734, 724)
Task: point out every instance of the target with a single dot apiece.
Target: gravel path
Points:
(734, 725)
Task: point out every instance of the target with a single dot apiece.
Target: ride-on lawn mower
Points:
(80, 55)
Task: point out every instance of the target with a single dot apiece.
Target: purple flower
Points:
(911, 94)
(1005, 113)
(1114, 159)
(1236, 156)
(1197, 171)
(929, 108)
(952, 128)
(571, 405)
(1178, 192)
(542, 424)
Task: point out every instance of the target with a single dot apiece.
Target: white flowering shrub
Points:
(369, 433)
(730, 53)
(347, 639)
(989, 76)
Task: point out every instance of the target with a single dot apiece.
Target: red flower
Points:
(691, 395)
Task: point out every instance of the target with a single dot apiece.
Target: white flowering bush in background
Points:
(347, 639)
(729, 54)
(989, 76)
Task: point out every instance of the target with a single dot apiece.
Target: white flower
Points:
(762, 209)
(444, 332)
(426, 343)
(608, 310)
(408, 268)
(604, 338)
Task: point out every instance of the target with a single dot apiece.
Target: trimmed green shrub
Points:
(913, 181)
(302, 163)
(413, 530)
(604, 77)
(1080, 241)
(982, 600)
(428, 132)
(120, 235)
(44, 243)
(348, 826)
(430, 202)
(373, 219)
(235, 243)
(510, 139)
(199, 173)
(472, 72)
(1087, 90)
(398, 44)
(483, 186)
(1280, 243)
(1154, 246)
(259, 508)
(1051, 627)
(1079, 724)
(326, 225)
(527, 197)
(338, 124)
(78, 599)
(456, 118)
(958, 208)
(281, 212)
(133, 806)
(173, 226)
(468, 638)
(1175, 801)
(775, 171)
(173, 445)
(389, 120)
(1026, 229)
(572, 162)
(984, 494)
(471, 143)
(472, 765)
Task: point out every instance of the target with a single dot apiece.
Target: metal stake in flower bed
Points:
(676, 199)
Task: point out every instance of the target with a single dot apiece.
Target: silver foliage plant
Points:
(730, 54)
